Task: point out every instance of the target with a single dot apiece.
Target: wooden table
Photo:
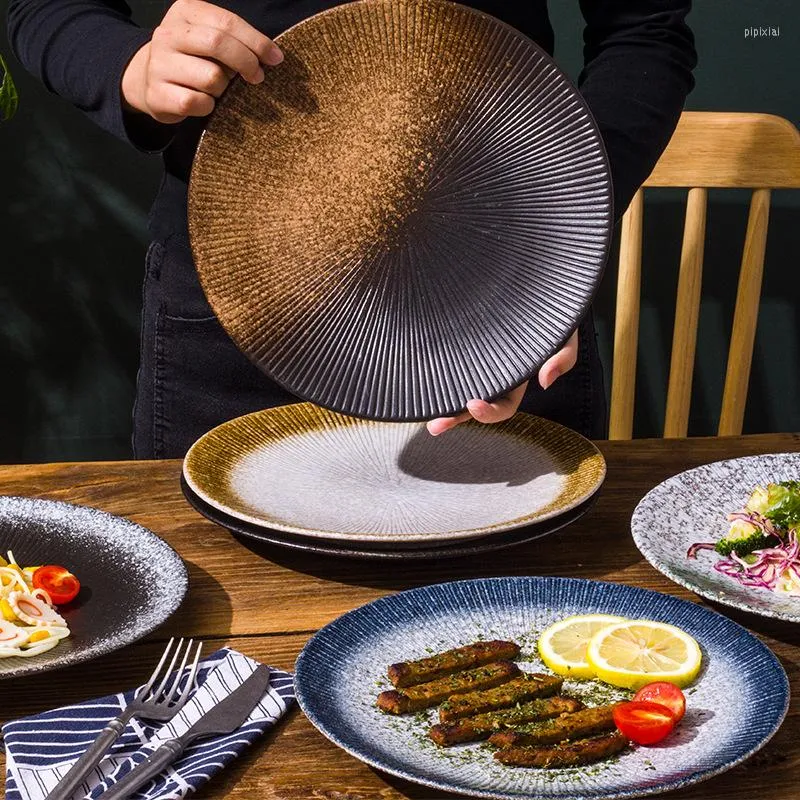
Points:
(267, 603)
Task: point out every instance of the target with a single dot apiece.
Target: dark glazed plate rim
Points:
(491, 542)
(103, 531)
(195, 227)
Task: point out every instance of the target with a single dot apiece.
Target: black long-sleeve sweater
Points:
(639, 56)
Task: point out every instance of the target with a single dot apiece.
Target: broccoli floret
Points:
(743, 538)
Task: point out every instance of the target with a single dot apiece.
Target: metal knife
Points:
(225, 717)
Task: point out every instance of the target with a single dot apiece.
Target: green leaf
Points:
(9, 99)
(784, 503)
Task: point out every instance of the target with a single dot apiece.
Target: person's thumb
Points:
(563, 361)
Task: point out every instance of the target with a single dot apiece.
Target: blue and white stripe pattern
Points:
(733, 708)
(41, 749)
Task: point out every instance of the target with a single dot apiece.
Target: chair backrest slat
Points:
(708, 149)
(745, 316)
(687, 313)
(623, 385)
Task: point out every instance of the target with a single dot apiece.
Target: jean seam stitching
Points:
(158, 395)
(152, 263)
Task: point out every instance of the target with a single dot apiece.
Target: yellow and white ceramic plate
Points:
(306, 470)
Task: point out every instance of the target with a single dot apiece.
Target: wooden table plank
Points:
(246, 589)
(266, 602)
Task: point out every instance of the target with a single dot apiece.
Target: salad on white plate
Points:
(761, 548)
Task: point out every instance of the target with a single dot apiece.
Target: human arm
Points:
(132, 81)
(638, 62)
(79, 49)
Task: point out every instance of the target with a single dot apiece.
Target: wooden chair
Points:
(709, 149)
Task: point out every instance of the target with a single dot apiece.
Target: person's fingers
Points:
(563, 361)
(200, 74)
(205, 14)
(169, 103)
(501, 409)
(212, 43)
(442, 424)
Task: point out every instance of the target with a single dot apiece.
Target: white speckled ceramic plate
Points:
(131, 581)
(305, 470)
(343, 667)
(692, 507)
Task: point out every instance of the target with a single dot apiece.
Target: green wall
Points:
(74, 208)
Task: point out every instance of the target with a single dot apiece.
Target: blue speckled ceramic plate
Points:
(342, 669)
(693, 507)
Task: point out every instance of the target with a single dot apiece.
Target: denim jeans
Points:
(192, 377)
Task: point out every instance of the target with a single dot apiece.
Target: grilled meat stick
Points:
(481, 726)
(526, 687)
(587, 722)
(425, 695)
(574, 754)
(410, 673)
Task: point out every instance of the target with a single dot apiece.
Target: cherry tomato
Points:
(665, 694)
(58, 582)
(643, 722)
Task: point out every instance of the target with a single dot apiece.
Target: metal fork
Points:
(160, 704)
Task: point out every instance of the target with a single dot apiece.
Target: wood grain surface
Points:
(687, 314)
(626, 321)
(267, 602)
(730, 149)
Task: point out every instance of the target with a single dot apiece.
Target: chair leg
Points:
(687, 311)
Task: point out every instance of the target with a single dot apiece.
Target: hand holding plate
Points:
(505, 407)
(192, 57)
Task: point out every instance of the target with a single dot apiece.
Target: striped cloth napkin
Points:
(40, 749)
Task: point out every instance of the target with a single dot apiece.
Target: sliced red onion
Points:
(764, 524)
(768, 566)
(744, 516)
(692, 551)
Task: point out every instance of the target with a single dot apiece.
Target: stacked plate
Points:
(306, 478)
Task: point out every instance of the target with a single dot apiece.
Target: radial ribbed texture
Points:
(413, 210)
(385, 551)
(302, 469)
(736, 704)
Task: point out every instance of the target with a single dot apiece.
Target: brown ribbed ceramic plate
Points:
(309, 471)
(411, 211)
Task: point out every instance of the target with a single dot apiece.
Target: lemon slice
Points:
(635, 652)
(563, 645)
